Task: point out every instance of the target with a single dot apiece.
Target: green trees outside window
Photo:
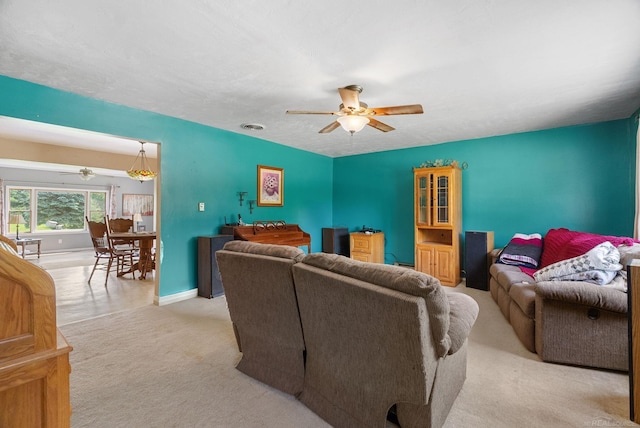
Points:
(55, 209)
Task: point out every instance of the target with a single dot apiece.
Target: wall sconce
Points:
(242, 195)
(251, 204)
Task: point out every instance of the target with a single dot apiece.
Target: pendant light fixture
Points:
(143, 172)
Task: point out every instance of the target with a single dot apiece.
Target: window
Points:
(50, 210)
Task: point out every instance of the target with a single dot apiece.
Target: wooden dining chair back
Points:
(105, 254)
(120, 225)
(124, 252)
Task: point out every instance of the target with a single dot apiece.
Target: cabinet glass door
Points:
(423, 199)
(441, 199)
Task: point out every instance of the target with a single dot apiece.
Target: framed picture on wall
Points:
(137, 204)
(270, 186)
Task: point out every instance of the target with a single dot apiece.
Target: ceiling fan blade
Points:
(388, 111)
(309, 112)
(349, 96)
(330, 127)
(379, 125)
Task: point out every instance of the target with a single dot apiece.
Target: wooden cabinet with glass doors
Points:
(438, 222)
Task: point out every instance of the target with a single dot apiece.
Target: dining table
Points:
(145, 262)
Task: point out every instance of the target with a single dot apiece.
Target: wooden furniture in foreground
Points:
(23, 242)
(438, 220)
(367, 247)
(270, 232)
(34, 355)
(633, 311)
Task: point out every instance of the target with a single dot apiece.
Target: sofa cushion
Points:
(281, 251)
(524, 295)
(507, 275)
(463, 313)
(399, 279)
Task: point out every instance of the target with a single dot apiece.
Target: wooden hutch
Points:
(438, 222)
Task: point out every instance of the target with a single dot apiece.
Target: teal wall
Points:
(578, 177)
(198, 164)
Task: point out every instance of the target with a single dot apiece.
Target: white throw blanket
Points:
(600, 265)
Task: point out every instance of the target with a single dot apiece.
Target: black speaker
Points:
(209, 282)
(335, 240)
(478, 245)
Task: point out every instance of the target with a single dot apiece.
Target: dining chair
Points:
(106, 254)
(120, 225)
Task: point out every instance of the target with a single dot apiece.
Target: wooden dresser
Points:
(367, 247)
(34, 355)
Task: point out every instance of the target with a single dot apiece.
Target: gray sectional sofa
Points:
(366, 338)
(566, 321)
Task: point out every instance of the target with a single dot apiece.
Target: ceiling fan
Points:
(85, 174)
(354, 114)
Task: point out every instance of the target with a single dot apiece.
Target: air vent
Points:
(252, 126)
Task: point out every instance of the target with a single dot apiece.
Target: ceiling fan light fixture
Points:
(353, 123)
(86, 174)
(143, 172)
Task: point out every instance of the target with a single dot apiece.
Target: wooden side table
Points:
(23, 242)
(367, 247)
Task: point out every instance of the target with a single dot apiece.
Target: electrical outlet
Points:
(59, 241)
(201, 206)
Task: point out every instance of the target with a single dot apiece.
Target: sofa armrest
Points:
(463, 311)
(583, 293)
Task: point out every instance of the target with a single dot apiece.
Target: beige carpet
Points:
(173, 366)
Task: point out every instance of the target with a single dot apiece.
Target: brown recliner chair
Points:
(378, 336)
(258, 285)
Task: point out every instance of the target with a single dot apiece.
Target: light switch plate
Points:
(201, 206)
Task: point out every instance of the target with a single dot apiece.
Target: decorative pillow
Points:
(522, 250)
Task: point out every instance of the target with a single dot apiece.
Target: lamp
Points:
(353, 123)
(143, 173)
(137, 218)
(17, 219)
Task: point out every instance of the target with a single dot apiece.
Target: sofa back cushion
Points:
(281, 251)
(400, 279)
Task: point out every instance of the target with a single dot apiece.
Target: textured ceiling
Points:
(479, 68)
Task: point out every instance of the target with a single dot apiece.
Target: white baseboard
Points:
(177, 297)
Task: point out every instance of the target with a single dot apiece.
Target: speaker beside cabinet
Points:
(209, 282)
(335, 240)
(478, 245)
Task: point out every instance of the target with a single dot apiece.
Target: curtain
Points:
(636, 226)
(112, 202)
(2, 207)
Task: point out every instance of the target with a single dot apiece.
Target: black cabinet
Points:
(335, 240)
(209, 282)
(478, 245)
